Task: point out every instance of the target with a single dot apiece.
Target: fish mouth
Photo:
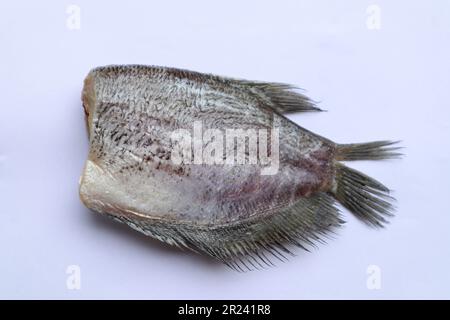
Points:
(88, 99)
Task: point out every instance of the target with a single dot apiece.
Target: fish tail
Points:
(376, 150)
(367, 198)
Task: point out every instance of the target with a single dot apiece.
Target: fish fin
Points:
(281, 97)
(376, 150)
(365, 197)
(256, 242)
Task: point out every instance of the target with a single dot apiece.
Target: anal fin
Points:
(254, 243)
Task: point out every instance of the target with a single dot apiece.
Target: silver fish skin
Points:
(231, 212)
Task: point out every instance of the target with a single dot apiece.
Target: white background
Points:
(391, 83)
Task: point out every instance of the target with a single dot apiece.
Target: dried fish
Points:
(211, 164)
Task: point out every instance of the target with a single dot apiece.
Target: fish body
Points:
(219, 197)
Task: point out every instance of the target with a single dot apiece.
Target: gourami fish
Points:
(211, 164)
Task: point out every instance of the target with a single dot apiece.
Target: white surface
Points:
(391, 83)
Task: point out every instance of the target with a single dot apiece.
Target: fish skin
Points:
(232, 213)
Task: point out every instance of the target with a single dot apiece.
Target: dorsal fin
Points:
(281, 97)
